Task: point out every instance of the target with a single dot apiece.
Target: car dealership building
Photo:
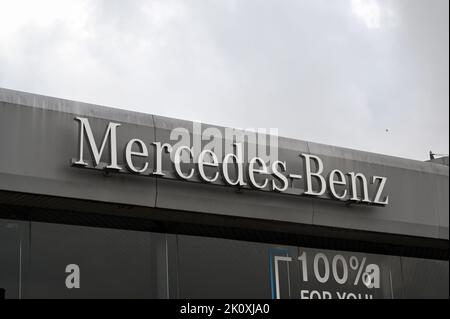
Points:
(97, 202)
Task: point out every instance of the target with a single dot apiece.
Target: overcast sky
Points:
(366, 74)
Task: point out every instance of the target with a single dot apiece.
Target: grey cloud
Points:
(310, 68)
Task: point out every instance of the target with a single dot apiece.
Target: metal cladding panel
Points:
(442, 192)
(39, 137)
(220, 199)
(227, 201)
(417, 204)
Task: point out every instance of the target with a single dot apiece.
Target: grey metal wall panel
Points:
(38, 145)
(175, 194)
(442, 191)
(415, 203)
(74, 107)
(227, 201)
(38, 137)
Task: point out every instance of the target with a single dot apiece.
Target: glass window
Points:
(89, 262)
(11, 257)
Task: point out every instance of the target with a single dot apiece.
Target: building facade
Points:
(98, 202)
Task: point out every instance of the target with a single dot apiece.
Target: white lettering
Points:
(129, 153)
(177, 162)
(158, 154)
(239, 162)
(317, 174)
(97, 154)
(380, 189)
(252, 170)
(202, 163)
(363, 187)
(340, 181)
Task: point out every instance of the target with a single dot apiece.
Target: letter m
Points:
(85, 131)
